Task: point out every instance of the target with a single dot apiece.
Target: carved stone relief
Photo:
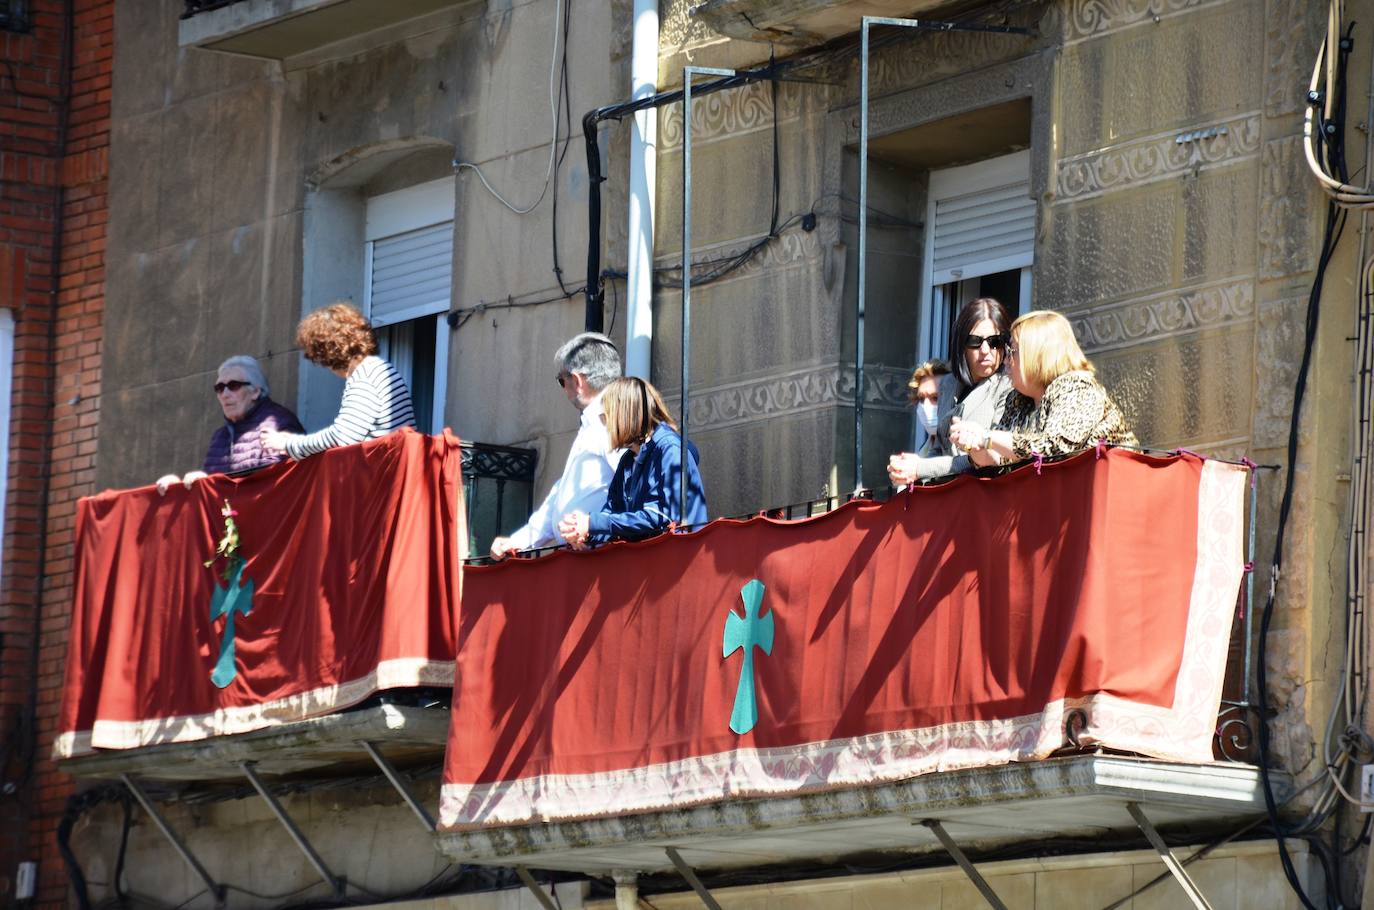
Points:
(1292, 36)
(1201, 67)
(678, 28)
(929, 56)
(1184, 389)
(794, 392)
(1095, 18)
(733, 112)
(1279, 350)
(1119, 325)
(1157, 158)
(1286, 211)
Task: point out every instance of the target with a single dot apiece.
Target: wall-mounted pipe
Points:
(591, 122)
(639, 283)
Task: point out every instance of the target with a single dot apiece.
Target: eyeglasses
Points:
(563, 378)
(974, 342)
(232, 385)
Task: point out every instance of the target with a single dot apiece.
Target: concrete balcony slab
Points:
(278, 29)
(330, 743)
(981, 808)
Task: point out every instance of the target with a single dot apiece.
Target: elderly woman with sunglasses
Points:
(249, 412)
(976, 391)
(1059, 406)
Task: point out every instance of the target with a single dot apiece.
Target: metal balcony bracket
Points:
(338, 883)
(150, 807)
(1181, 875)
(690, 875)
(539, 893)
(952, 848)
(398, 783)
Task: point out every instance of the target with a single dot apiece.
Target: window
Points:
(408, 279)
(14, 15)
(980, 243)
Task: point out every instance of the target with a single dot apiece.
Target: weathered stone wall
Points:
(1178, 229)
(1184, 265)
(212, 241)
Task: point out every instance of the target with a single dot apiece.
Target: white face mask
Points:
(929, 416)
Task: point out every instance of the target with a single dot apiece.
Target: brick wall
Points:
(54, 141)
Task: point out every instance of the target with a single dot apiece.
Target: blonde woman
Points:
(1059, 408)
(644, 498)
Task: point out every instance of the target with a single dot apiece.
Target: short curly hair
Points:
(930, 369)
(336, 336)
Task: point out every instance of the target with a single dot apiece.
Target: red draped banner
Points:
(952, 626)
(348, 582)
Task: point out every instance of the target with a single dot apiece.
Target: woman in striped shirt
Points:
(375, 398)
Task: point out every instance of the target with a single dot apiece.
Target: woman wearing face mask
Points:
(976, 390)
(925, 398)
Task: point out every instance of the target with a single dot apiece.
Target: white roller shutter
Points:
(983, 232)
(411, 274)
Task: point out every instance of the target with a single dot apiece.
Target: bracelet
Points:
(987, 439)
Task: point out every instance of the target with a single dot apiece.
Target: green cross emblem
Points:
(752, 631)
(236, 597)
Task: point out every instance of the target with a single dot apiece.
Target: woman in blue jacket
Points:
(644, 498)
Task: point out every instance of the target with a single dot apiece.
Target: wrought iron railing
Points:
(498, 483)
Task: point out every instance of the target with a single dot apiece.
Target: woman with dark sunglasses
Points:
(249, 412)
(976, 390)
(1059, 407)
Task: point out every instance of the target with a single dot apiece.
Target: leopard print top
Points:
(1074, 413)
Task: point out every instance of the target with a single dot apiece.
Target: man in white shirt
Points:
(586, 365)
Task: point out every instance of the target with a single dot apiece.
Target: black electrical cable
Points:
(564, 106)
(1335, 221)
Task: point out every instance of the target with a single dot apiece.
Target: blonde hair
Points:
(929, 370)
(633, 408)
(1046, 347)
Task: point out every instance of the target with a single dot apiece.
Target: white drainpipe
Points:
(639, 285)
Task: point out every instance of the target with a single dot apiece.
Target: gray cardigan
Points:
(983, 405)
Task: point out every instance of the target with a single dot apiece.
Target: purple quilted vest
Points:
(238, 446)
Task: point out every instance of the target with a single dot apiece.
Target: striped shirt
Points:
(375, 402)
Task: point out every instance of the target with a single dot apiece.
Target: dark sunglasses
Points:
(563, 378)
(974, 342)
(232, 385)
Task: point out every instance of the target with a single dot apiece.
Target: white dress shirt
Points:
(582, 488)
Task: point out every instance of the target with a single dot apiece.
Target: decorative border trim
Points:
(389, 674)
(794, 392)
(1158, 157)
(1089, 19)
(1182, 732)
(1120, 325)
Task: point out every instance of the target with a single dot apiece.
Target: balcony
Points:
(806, 22)
(868, 679)
(278, 29)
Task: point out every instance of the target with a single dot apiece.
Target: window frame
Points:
(401, 211)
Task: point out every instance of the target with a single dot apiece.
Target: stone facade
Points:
(1175, 225)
